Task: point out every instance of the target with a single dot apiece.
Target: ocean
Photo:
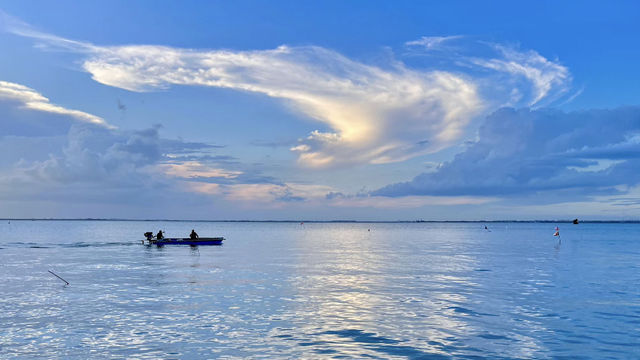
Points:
(320, 290)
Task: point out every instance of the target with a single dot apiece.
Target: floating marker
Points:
(54, 274)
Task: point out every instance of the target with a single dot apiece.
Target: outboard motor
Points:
(148, 235)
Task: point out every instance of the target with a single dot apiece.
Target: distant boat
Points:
(575, 221)
(185, 241)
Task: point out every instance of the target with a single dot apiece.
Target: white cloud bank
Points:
(32, 100)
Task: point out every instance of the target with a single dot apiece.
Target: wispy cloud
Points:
(432, 42)
(549, 79)
(195, 169)
(16, 26)
(376, 113)
(512, 76)
(32, 100)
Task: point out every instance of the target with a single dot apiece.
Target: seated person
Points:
(159, 236)
(193, 235)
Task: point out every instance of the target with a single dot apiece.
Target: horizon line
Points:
(329, 221)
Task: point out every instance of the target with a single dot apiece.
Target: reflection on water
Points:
(433, 291)
(352, 286)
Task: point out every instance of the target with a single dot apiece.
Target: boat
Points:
(185, 241)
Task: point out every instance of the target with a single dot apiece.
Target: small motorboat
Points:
(183, 241)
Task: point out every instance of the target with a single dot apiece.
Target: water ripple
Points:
(437, 291)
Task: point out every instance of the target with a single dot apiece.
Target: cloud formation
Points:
(98, 157)
(524, 152)
(87, 161)
(506, 75)
(263, 194)
(548, 79)
(375, 113)
(113, 166)
(32, 100)
(432, 42)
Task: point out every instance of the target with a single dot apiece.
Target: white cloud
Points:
(548, 79)
(195, 169)
(375, 114)
(507, 76)
(432, 42)
(382, 202)
(270, 195)
(278, 195)
(32, 100)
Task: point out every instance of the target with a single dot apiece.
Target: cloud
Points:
(261, 195)
(372, 113)
(32, 100)
(548, 78)
(16, 26)
(506, 75)
(383, 202)
(195, 169)
(526, 152)
(96, 160)
(279, 195)
(107, 166)
(432, 42)
(274, 144)
(97, 156)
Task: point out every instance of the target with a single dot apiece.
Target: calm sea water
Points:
(286, 290)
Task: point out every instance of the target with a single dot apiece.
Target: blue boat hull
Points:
(188, 241)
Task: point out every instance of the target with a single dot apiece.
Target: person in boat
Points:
(193, 235)
(159, 236)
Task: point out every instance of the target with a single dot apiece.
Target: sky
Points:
(335, 110)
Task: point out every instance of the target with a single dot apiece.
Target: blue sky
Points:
(336, 110)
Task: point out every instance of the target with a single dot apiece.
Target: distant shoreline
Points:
(335, 221)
